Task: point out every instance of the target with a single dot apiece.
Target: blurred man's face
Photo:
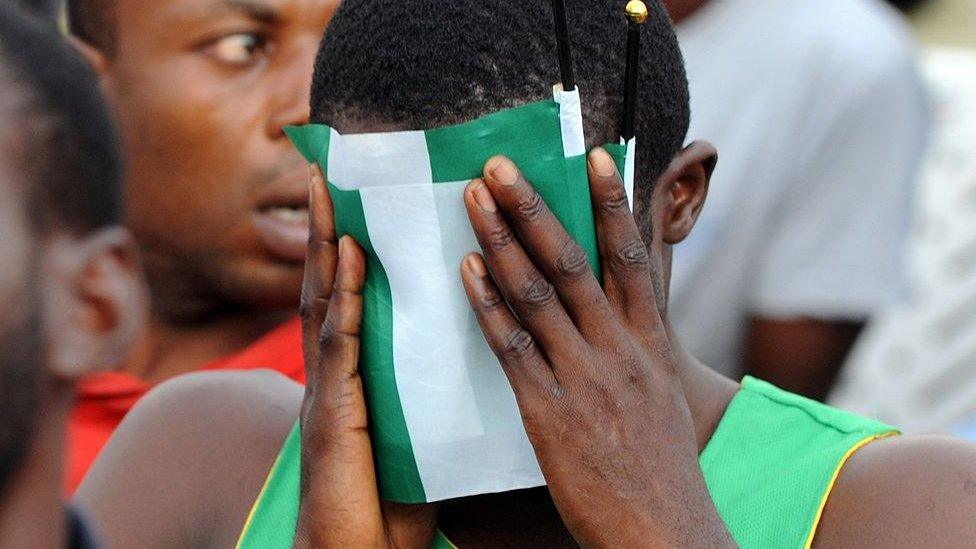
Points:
(20, 337)
(216, 195)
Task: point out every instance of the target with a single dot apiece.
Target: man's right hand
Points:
(340, 503)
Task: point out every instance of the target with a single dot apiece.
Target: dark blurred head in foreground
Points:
(906, 5)
(215, 194)
(46, 9)
(68, 284)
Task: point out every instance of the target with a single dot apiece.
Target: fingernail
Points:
(602, 163)
(476, 265)
(484, 199)
(342, 246)
(503, 171)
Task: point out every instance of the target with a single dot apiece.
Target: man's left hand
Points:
(591, 366)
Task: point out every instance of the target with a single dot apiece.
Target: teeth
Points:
(290, 215)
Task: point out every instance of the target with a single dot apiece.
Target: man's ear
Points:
(684, 187)
(95, 302)
(98, 61)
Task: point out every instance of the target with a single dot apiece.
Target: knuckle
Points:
(490, 300)
(499, 238)
(538, 293)
(615, 203)
(519, 345)
(309, 307)
(572, 261)
(328, 334)
(633, 255)
(555, 391)
(305, 307)
(529, 207)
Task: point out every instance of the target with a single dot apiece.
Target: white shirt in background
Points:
(818, 115)
(916, 367)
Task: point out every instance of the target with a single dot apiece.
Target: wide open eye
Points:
(240, 49)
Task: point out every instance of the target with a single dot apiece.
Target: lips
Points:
(281, 219)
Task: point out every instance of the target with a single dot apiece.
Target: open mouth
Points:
(295, 214)
(283, 229)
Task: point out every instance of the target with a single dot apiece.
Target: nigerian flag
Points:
(443, 418)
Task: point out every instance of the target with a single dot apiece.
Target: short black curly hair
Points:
(74, 167)
(427, 63)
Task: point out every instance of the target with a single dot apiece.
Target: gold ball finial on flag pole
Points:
(636, 11)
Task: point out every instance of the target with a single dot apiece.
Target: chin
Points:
(274, 286)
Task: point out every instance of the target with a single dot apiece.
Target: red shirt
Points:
(104, 399)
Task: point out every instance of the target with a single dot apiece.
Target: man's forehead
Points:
(175, 11)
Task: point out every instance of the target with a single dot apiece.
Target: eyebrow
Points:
(255, 9)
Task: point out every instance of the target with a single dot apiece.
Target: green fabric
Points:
(529, 135)
(619, 154)
(274, 517)
(768, 467)
(770, 462)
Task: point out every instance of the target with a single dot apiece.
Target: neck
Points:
(32, 510)
(707, 392)
(169, 348)
(683, 9)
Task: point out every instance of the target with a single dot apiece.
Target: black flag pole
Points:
(636, 16)
(564, 46)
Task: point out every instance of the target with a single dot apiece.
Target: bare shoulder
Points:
(904, 492)
(187, 463)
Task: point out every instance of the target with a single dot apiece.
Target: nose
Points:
(292, 95)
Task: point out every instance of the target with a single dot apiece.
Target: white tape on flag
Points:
(628, 174)
(570, 120)
(378, 160)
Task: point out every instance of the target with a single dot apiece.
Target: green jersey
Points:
(770, 467)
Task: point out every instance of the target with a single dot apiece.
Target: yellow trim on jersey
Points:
(257, 502)
(833, 480)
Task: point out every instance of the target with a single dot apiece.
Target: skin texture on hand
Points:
(591, 367)
(340, 504)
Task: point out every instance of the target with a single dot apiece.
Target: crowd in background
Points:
(836, 255)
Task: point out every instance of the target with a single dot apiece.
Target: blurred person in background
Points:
(70, 281)
(46, 9)
(917, 365)
(215, 194)
(818, 112)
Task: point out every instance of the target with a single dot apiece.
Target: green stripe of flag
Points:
(398, 476)
(529, 135)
